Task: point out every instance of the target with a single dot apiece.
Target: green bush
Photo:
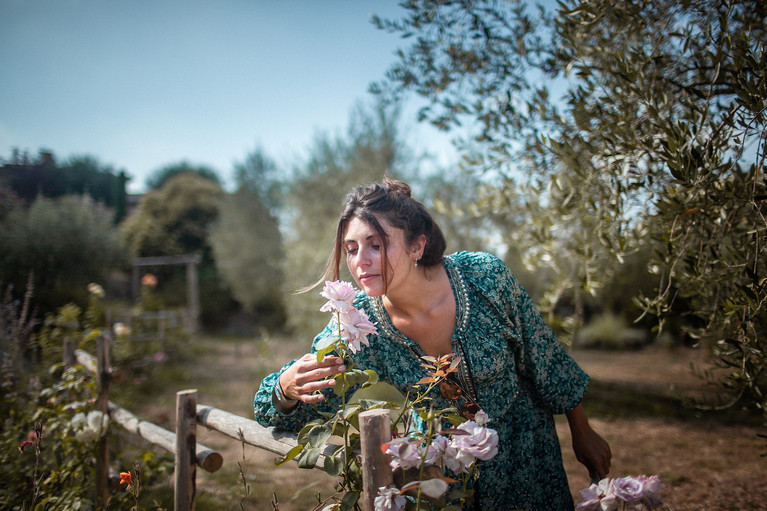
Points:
(609, 331)
(50, 425)
(62, 244)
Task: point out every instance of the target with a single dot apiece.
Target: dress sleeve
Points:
(559, 381)
(267, 415)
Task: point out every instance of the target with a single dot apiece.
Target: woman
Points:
(468, 304)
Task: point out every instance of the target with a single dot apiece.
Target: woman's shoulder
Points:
(476, 262)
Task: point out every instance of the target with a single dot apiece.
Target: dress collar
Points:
(462, 308)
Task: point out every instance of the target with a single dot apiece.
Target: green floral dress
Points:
(519, 373)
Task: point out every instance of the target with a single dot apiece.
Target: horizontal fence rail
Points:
(207, 459)
(374, 430)
(274, 440)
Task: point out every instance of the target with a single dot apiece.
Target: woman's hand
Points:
(590, 449)
(305, 377)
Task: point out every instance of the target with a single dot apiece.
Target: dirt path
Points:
(704, 463)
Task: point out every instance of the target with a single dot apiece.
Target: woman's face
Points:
(364, 250)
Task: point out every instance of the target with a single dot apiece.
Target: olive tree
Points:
(246, 239)
(658, 137)
(59, 246)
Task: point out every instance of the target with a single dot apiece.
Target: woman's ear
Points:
(418, 246)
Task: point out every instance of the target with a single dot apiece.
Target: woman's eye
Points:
(351, 251)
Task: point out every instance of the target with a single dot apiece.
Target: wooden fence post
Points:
(69, 352)
(193, 292)
(102, 403)
(375, 429)
(186, 439)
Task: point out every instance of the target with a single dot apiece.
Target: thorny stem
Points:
(429, 435)
(343, 407)
(35, 482)
(240, 466)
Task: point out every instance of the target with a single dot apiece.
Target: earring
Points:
(416, 262)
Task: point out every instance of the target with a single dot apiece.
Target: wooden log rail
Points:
(374, 430)
(207, 459)
(274, 440)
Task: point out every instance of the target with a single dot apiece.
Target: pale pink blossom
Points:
(591, 497)
(389, 499)
(340, 296)
(355, 327)
(633, 493)
(481, 418)
(628, 489)
(405, 453)
(456, 461)
(480, 443)
(652, 485)
(439, 451)
(609, 503)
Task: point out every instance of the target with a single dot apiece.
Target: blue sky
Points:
(140, 84)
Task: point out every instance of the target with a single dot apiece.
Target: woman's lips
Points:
(367, 278)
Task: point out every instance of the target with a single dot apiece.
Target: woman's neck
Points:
(424, 291)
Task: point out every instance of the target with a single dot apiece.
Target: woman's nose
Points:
(363, 258)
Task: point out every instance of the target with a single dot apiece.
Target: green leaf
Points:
(318, 435)
(340, 428)
(303, 435)
(351, 410)
(372, 378)
(289, 455)
(308, 458)
(349, 500)
(434, 488)
(322, 353)
(334, 465)
(352, 377)
(341, 386)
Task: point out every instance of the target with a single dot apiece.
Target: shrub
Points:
(63, 244)
(50, 425)
(609, 331)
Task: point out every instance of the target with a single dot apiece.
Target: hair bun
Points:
(396, 186)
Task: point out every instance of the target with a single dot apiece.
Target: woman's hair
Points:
(391, 201)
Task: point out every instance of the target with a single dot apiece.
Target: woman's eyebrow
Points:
(369, 237)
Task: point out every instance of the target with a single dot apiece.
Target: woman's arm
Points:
(590, 449)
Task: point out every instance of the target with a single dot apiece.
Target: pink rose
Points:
(355, 327)
(628, 489)
(652, 486)
(481, 442)
(389, 499)
(439, 451)
(340, 296)
(405, 453)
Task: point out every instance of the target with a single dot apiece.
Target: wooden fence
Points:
(374, 431)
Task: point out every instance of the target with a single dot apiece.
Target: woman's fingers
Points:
(307, 376)
(311, 370)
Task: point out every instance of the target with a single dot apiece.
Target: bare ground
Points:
(707, 461)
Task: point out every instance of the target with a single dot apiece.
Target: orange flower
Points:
(149, 280)
(125, 477)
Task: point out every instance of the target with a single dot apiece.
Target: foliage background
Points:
(615, 160)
